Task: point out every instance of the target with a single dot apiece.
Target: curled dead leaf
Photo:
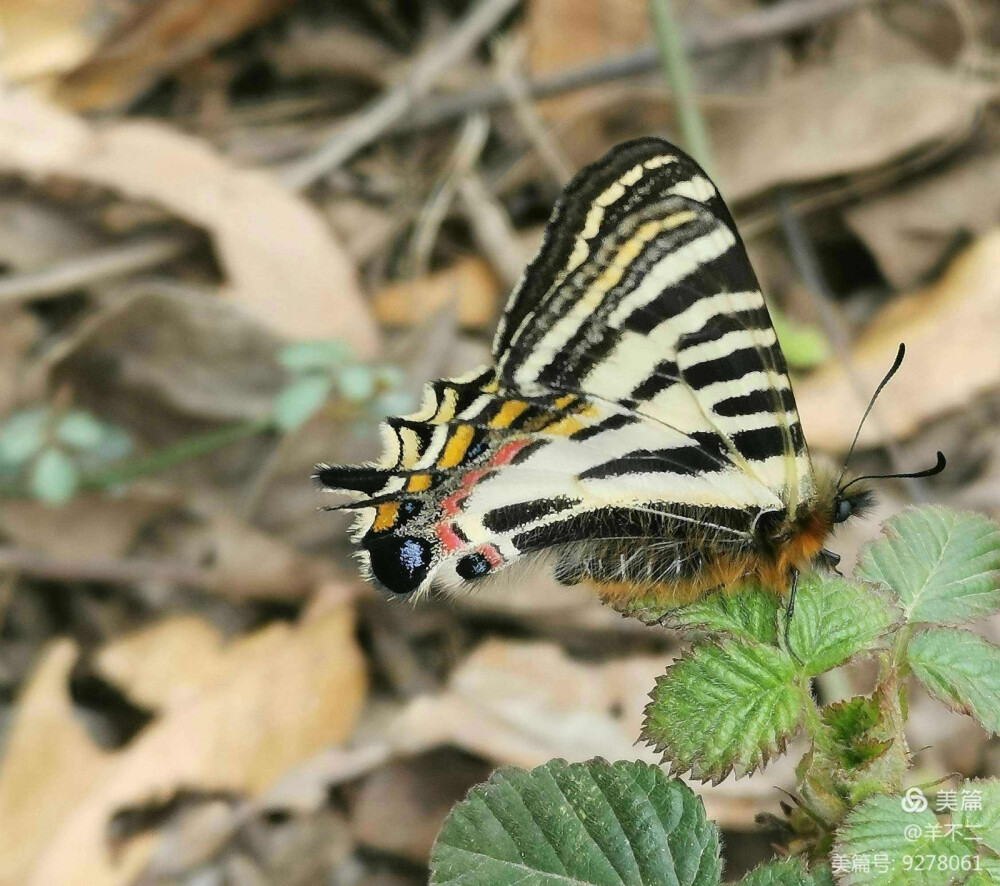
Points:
(837, 120)
(89, 527)
(49, 764)
(277, 697)
(824, 122)
(284, 266)
(913, 228)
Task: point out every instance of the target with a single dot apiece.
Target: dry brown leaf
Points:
(399, 809)
(911, 230)
(45, 39)
(89, 527)
(283, 694)
(159, 36)
(565, 34)
(835, 120)
(176, 350)
(34, 235)
(49, 764)
(284, 266)
(191, 837)
(824, 122)
(523, 703)
(950, 332)
(469, 283)
(340, 49)
(244, 563)
(167, 665)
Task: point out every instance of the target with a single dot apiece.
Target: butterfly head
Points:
(855, 503)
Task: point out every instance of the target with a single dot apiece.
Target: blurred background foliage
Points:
(235, 234)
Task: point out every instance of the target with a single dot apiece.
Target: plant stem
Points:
(677, 74)
(170, 456)
(818, 731)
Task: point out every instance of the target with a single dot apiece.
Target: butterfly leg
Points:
(831, 560)
(790, 611)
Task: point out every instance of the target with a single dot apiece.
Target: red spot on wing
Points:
(452, 504)
(492, 556)
(505, 454)
(448, 537)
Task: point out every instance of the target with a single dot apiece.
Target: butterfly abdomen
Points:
(677, 568)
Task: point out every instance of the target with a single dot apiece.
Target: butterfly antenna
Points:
(892, 371)
(927, 472)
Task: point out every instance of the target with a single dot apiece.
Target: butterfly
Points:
(637, 429)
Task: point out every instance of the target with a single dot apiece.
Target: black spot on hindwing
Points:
(400, 564)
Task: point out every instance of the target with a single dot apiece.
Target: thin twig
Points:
(765, 23)
(510, 77)
(101, 264)
(375, 120)
(491, 228)
(464, 157)
(132, 571)
(673, 55)
(177, 453)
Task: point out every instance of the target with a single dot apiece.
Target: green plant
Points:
(738, 696)
(49, 450)
(50, 454)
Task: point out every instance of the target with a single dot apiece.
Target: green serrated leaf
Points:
(299, 400)
(790, 872)
(749, 613)
(850, 722)
(851, 718)
(724, 708)
(879, 841)
(571, 824)
(988, 873)
(944, 565)
(836, 619)
(960, 669)
(649, 610)
(978, 812)
(23, 435)
(55, 477)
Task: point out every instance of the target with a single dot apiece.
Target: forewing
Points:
(642, 295)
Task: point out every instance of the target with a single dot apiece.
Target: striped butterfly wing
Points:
(638, 396)
(642, 294)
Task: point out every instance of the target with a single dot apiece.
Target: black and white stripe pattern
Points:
(642, 293)
(639, 396)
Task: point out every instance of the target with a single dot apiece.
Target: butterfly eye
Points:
(842, 509)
